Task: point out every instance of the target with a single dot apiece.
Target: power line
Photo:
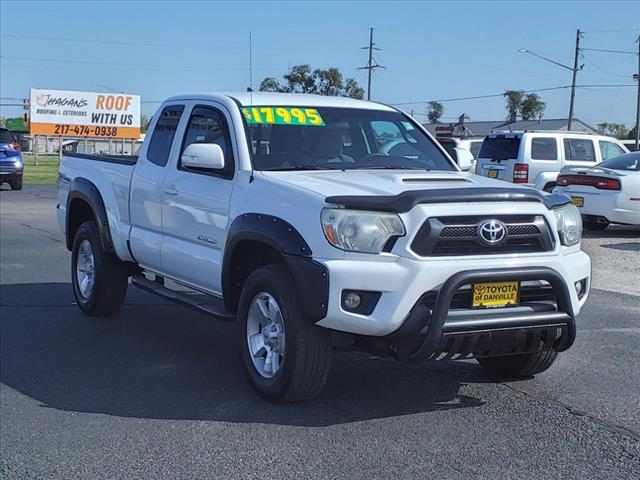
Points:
(612, 31)
(494, 95)
(101, 42)
(609, 51)
(86, 62)
(107, 64)
(604, 70)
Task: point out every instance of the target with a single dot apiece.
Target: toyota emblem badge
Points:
(492, 232)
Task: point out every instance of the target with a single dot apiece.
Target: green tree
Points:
(270, 84)
(302, 79)
(353, 90)
(434, 112)
(327, 82)
(513, 99)
(532, 107)
(529, 106)
(617, 130)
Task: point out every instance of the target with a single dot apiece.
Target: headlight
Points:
(569, 224)
(359, 231)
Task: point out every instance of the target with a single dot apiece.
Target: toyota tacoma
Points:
(287, 214)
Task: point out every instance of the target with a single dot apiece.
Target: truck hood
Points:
(330, 183)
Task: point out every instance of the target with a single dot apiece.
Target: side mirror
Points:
(203, 155)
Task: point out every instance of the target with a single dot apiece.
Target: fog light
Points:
(352, 300)
(578, 286)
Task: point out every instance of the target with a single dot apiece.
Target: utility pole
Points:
(638, 106)
(573, 83)
(372, 64)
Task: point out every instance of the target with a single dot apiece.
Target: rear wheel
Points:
(99, 279)
(286, 357)
(522, 365)
(595, 226)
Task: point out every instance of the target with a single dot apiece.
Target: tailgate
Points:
(498, 154)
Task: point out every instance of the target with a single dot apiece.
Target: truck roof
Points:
(286, 99)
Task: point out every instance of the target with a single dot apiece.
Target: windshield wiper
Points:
(392, 167)
(298, 167)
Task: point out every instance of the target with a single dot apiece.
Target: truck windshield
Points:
(319, 138)
(500, 147)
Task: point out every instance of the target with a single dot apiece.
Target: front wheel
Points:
(99, 278)
(16, 184)
(286, 357)
(521, 365)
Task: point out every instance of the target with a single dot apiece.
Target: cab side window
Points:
(544, 148)
(163, 133)
(208, 125)
(609, 150)
(579, 149)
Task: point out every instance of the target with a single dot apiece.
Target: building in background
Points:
(482, 129)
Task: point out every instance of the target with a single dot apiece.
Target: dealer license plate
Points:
(578, 201)
(493, 173)
(495, 294)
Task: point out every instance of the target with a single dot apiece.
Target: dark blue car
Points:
(11, 164)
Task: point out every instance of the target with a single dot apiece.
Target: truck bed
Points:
(111, 175)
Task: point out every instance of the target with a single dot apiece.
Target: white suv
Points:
(535, 158)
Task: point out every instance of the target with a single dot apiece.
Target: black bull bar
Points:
(426, 332)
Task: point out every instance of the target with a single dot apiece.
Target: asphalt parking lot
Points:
(158, 391)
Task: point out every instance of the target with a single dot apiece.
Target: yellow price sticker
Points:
(283, 116)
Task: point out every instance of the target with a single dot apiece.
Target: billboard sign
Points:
(84, 114)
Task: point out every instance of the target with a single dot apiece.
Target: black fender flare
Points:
(83, 189)
(311, 278)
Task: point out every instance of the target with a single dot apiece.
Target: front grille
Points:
(458, 236)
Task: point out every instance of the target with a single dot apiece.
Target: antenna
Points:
(372, 64)
(250, 89)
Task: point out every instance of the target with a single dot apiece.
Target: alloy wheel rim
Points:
(266, 335)
(85, 269)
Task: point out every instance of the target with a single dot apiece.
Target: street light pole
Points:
(574, 70)
(573, 83)
(638, 106)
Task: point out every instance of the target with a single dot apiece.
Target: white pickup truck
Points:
(282, 213)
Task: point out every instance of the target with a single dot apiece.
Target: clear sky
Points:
(432, 50)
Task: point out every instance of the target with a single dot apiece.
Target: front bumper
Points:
(403, 281)
(9, 172)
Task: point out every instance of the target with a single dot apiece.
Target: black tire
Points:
(16, 184)
(110, 275)
(594, 226)
(305, 368)
(522, 365)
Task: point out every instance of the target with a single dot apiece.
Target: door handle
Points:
(170, 190)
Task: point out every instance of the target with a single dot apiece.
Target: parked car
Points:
(534, 158)
(11, 164)
(607, 193)
(281, 213)
(464, 151)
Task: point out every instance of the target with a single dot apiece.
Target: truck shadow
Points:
(161, 361)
